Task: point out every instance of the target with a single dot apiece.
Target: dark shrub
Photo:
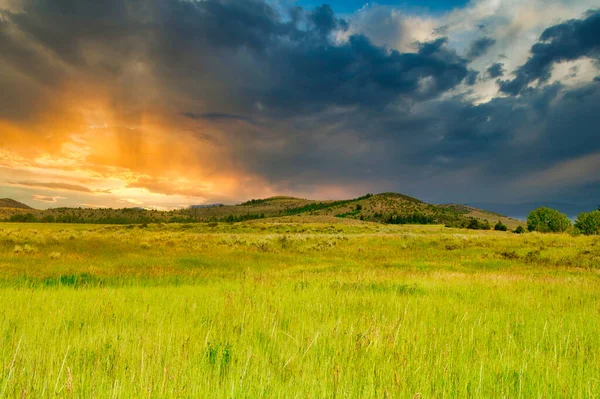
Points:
(519, 230)
(476, 224)
(500, 226)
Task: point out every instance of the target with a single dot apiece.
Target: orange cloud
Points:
(54, 186)
(47, 198)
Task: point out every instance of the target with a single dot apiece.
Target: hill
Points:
(386, 208)
(11, 203)
(10, 207)
(397, 208)
(477, 213)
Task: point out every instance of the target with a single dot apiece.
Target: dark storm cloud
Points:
(217, 24)
(496, 70)
(568, 41)
(581, 93)
(471, 78)
(480, 46)
(325, 21)
(237, 53)
(25, 75)
(311, 75)
(494, 144)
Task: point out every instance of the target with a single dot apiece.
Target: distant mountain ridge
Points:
(521, 210)
(384, 208)
(11, 203)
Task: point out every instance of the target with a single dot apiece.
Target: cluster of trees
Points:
(24, 218)
(71, 218)
(322, 205)
(547, 220)
(256, 201)
(543, 220)
(242, 218)
(182, 219)
(470, 223)
(132, 219)
(478, 224)
(415, 218)
(500, 226)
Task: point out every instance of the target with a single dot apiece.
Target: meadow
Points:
(296, 308)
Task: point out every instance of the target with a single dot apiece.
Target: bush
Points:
(547, 220)
(519, 230)
(29, 249)
(476, 224)
(48, 219)
(588, 222)
(500, 226)
(23, 218)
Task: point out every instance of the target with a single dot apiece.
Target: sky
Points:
(346, 7)
(168, 103)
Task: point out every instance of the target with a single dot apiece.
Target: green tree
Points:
(588, 222)
(519, 230)
(547, 220)
(48, 219)
(500, 226)
(26, 218)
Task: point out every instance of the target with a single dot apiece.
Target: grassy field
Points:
(333, 308)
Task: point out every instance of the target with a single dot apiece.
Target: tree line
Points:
(548, 220)
(543, 219)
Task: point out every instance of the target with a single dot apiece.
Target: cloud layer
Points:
(167, 103)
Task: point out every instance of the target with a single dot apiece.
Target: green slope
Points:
(382, 208)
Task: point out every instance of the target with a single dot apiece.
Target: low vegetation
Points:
(326, 307)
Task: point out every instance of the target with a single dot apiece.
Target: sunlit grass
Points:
(301, 310)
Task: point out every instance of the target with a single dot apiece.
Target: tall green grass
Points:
(300, 310)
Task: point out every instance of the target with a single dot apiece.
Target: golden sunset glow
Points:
(106, 158)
